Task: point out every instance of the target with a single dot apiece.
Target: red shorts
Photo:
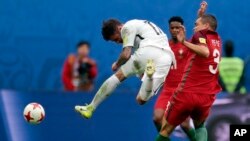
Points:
(163, 98)
(183, 105)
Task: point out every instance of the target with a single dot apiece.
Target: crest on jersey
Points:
(181, 51)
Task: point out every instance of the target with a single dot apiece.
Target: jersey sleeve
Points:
(67, 73)
(199, 38)
(128, 34)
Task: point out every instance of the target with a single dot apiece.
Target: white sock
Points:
(105, 90)
(146, 91)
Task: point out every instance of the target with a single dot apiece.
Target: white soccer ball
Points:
(34, 113)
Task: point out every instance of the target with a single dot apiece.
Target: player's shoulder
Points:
(200, 36)
(71, 58)
(201, 33)
(133, 23)
(130, 26)
(238, 59)
(171, 42)
(205, 32)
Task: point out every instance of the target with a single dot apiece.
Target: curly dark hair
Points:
(109, 27)
(176, 19)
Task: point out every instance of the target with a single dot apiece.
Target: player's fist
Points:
(203, 8)
(114, 66)
(88, 60)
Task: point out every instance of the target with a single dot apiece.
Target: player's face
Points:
(174, 29)
(83, 51)
(116, 37)
(199, 25)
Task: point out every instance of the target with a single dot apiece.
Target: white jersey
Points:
(142, 33)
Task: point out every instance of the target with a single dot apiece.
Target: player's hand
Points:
(115, 66)
(181, 36)
(203, 8)
(89, 61)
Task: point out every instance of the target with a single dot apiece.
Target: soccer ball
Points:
(33, 113)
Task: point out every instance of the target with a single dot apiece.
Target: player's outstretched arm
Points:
(123, 58)
(201, 50)
(202, 9)
(198, 49)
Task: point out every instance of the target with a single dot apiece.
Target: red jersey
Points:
(201, 74)
(174, 76)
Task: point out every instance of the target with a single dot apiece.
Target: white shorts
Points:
(163, 60)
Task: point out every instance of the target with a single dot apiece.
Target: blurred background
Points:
(36, 36)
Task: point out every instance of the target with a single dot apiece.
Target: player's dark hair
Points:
(229, 48)
(210, 19)
(176, 19)
(109, 27)
(81, 43)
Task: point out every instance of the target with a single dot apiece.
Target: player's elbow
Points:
(140, 101)
(127, 55)
(205, 53)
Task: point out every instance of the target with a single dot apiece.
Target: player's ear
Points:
(119, 27)
(207, 25)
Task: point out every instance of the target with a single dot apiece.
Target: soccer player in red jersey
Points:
(175, 75)
(173, 78)
(195, 94)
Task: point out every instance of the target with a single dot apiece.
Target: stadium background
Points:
(37, 35)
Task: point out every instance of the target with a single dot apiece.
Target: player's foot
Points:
(85, 111)
(150, 68)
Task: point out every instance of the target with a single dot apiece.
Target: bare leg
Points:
(158, 115)
(165, 132)
(188, 129)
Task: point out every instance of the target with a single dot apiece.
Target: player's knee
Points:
(158, 115)
(186, 125)
(119, 74)
(141, 102)
(157, 119)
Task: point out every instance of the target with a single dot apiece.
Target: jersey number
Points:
(216, 55)
(156, 29)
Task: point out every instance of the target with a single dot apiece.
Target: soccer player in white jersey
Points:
(152, 58)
